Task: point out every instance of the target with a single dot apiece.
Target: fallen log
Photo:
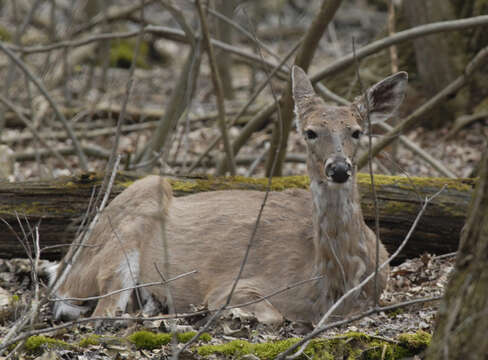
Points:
(55, 205)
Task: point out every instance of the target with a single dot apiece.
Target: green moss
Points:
(353, 345)
(149, 340)
(239, 348)
(122, 53)
(34, 209)
(185, 187)
(190, 187)
(394, 207)
(419, 182)
(344, 347)
(90, 340)
(394, 313)
(415, 342)
(187, 336)
(5, 34)
(36, 344)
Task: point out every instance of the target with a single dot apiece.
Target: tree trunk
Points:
(224, 34)
(432, 53)
(462, 324)
(57, 204)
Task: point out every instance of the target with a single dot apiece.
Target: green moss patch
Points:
(5, 34)
(415, 342)
(90, 340)
(419, 182)
(36, 344)
(149, 340)
(349, 346)
(122, 53)
(239, 348)
(185, 187)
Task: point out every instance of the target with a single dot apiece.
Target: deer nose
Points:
(339, 170)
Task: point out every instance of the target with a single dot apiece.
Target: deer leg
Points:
(125, 276)
(67, 310)
(246, 292)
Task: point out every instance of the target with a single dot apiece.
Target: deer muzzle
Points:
(338, 169)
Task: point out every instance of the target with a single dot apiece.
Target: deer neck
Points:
(339, 238)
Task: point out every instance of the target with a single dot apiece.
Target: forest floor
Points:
(422, 277)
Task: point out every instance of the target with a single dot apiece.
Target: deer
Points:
(315, 237)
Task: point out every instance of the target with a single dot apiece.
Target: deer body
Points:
(145, 233)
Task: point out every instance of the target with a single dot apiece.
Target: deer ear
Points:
(384, 98)
(303, 93)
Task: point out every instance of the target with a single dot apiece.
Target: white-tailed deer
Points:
(301, 234)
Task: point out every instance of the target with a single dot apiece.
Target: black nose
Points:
(338, 171)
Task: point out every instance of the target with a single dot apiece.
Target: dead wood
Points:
(56, 205)
(105, 110)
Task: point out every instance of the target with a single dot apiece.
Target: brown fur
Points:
(301, 235)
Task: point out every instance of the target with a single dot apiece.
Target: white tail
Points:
(301, 235)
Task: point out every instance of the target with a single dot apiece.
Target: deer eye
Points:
(310, 134)
(356, 134)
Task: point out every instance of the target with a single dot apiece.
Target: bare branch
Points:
(59, 114)
(34, 132)
(402, 36)
(218, 89)
(413, 119)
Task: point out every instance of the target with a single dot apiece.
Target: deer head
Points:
(332, 133)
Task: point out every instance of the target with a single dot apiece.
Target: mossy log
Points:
(55, 205)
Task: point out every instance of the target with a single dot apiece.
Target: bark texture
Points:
(57, 205)
(224, 33)
(462, 324)
(432, 53)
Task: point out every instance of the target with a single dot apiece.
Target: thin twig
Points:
(162, 31)
(59, 114)
(114, 159)
(34, 132)
(118, 291)
(180, 97)
(399, 37)
(19, 32)
(114, 14)
(413, 119)
(35, 304)
(246, 33)
(424, 155)
(237, 144)
(128, 90)
(371, 175)
(180, 18)
(391, 32)
(219, 93)
(75, 251)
